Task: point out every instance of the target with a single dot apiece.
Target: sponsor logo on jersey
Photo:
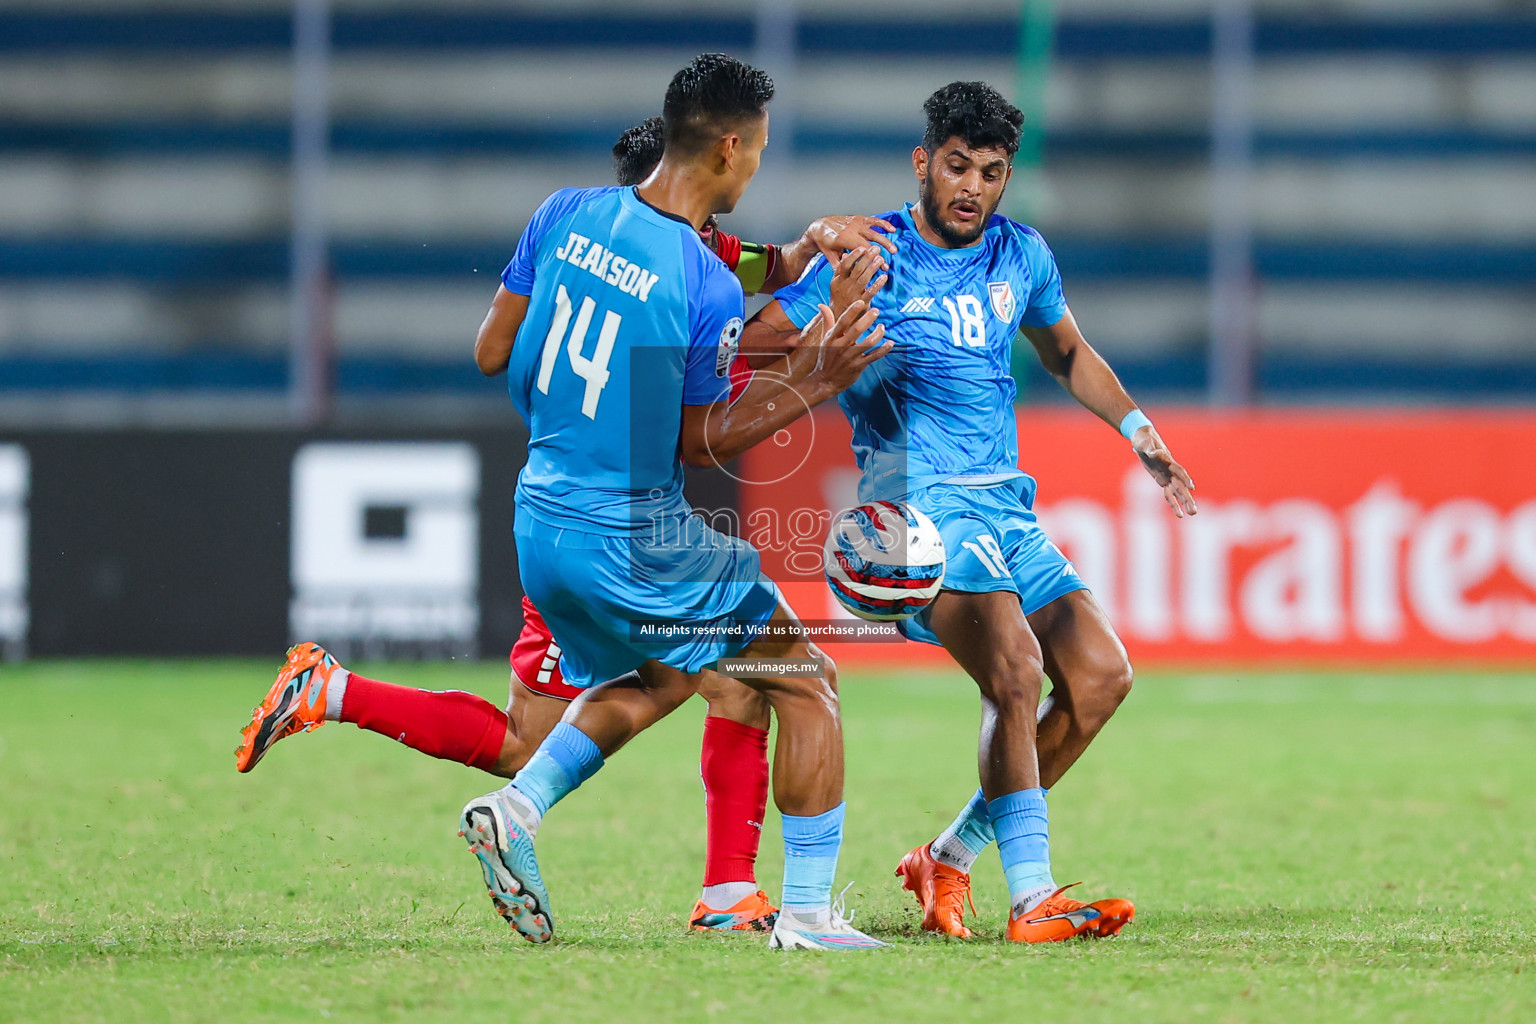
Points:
(730, 344)
(921, 304)
(1001, 294)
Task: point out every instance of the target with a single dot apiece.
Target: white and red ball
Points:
(884, 560)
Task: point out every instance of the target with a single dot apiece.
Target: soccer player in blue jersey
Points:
(933, 425)
(313, 688)
(617, 327)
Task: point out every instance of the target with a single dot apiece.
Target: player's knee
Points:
(1110, 685)
(739, 702)
(1115, 682)
(820, 690)
(1014, 684)
(1120, 682)
(514, 754)
(828, 668)
(753, 708)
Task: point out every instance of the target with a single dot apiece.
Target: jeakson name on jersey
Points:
(585, 254)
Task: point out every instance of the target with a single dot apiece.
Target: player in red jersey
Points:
(313, 688)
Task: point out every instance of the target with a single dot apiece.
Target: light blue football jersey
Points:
(630, 317)
(939, 407)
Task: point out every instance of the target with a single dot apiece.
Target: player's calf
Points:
(530, 716)
(733, 762)
(808, 773)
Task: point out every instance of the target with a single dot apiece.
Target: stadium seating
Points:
(143, 179)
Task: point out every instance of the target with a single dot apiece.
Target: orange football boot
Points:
(1116, 914)
(1058, 917)
(754, 913)
(296, 703)
(942, 892)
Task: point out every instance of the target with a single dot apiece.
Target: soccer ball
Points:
(884, 560)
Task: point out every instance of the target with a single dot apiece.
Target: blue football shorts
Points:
(992, 542)
(686, 599)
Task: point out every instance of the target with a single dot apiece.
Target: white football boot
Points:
(830, 929)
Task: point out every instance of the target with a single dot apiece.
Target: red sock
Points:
(734, 764)
(450, 724)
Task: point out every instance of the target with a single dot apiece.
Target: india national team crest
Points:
(730, 344)
(1001, 294)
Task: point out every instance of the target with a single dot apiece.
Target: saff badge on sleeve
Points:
(730, 345)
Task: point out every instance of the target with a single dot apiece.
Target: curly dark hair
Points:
(713, 95)
(975, 112)
(638, 151)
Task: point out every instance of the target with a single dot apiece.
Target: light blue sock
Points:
(810, 858)
(967, 836)
(565, 760)
(962, 842)
(1023, 832)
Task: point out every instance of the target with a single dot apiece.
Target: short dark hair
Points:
(710, 97)
(975, 112)
(638, 151)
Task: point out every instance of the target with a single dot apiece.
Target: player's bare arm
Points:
(826, 362)
(1068, 357)
(770, 336)
(832, 237)
(493, 344)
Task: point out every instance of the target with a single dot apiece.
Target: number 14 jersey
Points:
(630, 317)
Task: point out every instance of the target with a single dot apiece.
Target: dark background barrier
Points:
(179, 542)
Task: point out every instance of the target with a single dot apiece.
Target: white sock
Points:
(527, 813)
(950, 851)
(727, 894)
(808, 917)
(335, 690)
(1026, 901)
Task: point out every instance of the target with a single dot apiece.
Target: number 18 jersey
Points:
(940, 406)
(630, 317)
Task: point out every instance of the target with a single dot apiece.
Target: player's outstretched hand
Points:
(1170, 476)
(845, 349)
(854, 278)
(833, 235)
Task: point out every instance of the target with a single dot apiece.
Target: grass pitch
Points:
(1300, 847)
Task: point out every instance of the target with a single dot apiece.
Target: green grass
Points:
(1300, 847)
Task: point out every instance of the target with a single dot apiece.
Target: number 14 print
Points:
(593, 369)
